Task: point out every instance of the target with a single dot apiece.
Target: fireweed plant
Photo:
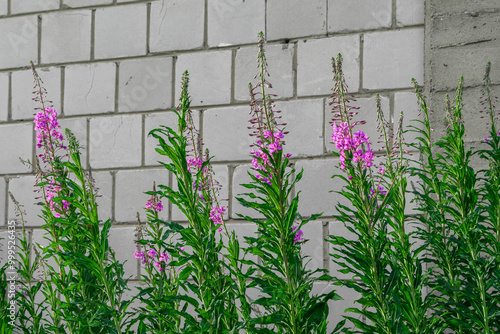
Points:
(283, 281)
(194, 265)
(459, 218)
(80, 281)
(195, 278)
(382, 266)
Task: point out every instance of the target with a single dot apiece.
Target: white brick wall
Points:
(314, 66)
(22, 135)
(113, 69)
(23, 106)
(176, 25)
(4, 96)
(391, 59)
(61, 45)
(209, 74)
(234, 22)
(89, 89)
(115, 141)
(358, 15)
(120, 31)
(18, 41)
(144, 84)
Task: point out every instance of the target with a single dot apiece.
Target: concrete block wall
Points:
(113, 67)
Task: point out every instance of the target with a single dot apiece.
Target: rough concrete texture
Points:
(84, 3)
(3, 7)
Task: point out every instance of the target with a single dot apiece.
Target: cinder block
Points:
(89, 89)
(392, 58)
(23, 188)
(22, 135)
(313, 247)
(410, 12)
(314, 64)
(468, 60)
(367, 112)
(120, 31)
(221, 176)
(23, 106)
(337, 307)
(27, 6)
(3, 193)
(79, 128)
(154, 121)
(84, 3)
(66, 36)
(234, 142)
(145, 84)
(130, 197)
(210, 76)
(4, 96)
(235, 22)
(122, 242)
(104, 186)
(463, 29)
(304, 122)
(295, 18)
(115, 141)
(279, 59)
(340, 230)
(451, 6)
(316, 187)
(177, 25)
(358, 15)
(18, 41)
(240, 176)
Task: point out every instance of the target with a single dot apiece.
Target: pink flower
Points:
(159, 206)
(299, 235)
(138, 255)
(152, 253)
(216, 214)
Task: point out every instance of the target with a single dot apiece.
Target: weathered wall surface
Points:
(112, 69)
(461, 38)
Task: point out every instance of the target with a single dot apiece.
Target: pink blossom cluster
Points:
(299, 235)
(48, 128)
(52, 191)
(151, 256)
(216, 214)
(343, 141)
(154, 204)
(272, 142)
(193, 162)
